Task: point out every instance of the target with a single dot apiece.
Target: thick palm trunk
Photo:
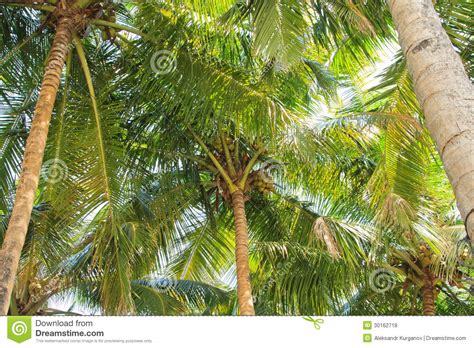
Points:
(244, 289)
(428, 293)
(34, 151)
(445, 94)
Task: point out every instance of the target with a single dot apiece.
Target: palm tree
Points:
(227, 163)
(444, 92)
(410, 196)
(336, 23)
(420, 275)
(34, 150)
(233, 158)
(58, 264)
(416, 271)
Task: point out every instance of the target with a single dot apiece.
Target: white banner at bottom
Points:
(239, 332)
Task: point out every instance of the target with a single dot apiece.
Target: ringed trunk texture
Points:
(445, 94)
(32, 161)
(244, 289)
(428, 293)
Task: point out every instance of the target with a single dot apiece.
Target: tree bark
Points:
(445, 94)
(33, 157)
(244, 289)
(428, 293)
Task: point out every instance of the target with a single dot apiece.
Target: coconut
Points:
(425, 261)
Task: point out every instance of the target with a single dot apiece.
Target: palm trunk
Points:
(445, 94)
(34, 151)
(428, 293)
(244, 289)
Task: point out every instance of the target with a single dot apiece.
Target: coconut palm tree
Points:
(444, 92)
(427, 277)
(232, 177)
(427, 44)
(58, 264)
(68, 21)
(34, 150)
(416, 232)
(410, 196)
(177, 128)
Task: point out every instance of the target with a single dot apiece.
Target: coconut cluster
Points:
(34, 286)
(426, 255)
(263, 182)
(220, 147)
